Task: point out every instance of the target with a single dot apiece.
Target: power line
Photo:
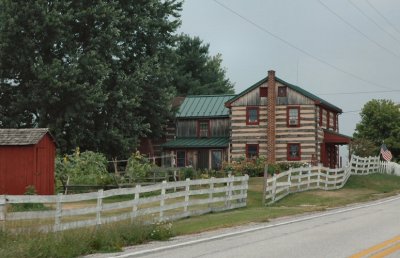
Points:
(299, 49)
(358, 92)
(373, 21)
(352, 111)
(383, 16)
(357, 30)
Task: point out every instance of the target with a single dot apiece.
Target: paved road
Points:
(373, 228)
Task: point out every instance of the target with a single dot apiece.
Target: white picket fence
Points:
(311, 178)
(161, 202)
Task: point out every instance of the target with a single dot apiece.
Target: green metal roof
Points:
(291, 86)
(204, 106)
(217, 142)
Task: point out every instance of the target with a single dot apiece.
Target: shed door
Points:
(41, 172)
(203, 159)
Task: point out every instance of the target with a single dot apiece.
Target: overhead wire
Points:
(300, 49)
(359, 31)
(383, 16)
(373, 21)
(359, 92)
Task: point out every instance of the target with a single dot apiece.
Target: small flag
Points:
(386, 154)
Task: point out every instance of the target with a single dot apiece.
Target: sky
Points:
(346, 52)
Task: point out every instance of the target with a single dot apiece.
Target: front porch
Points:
(330, 148)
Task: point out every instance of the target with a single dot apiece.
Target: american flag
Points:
(386, 154)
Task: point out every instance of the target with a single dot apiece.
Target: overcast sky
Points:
(327, 47)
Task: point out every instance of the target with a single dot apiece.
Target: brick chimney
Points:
(271, 117)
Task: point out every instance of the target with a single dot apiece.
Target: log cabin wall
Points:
(241, 133)
(304, 134)
(219, 127)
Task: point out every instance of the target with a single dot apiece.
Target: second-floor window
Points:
(252, 116)
(293, 116)
(204, 128)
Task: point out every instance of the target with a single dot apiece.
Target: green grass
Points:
(73, 243)
(358, 189)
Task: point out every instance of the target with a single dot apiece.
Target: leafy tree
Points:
(380, 122)
(197, 72)
(95, 73)
(363, 147)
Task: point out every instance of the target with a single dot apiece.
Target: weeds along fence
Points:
(161, 202)
(312, 178)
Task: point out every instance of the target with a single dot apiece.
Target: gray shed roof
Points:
(27, 136)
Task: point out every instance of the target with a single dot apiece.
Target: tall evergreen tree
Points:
(197, 72)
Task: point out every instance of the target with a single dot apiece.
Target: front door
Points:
(203, 158)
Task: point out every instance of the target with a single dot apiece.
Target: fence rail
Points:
(161, 202)
(318, 177)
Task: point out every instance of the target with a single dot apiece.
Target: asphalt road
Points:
(361, 230)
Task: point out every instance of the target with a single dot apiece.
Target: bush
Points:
(255, 167)
(83, 168)
(29, 190)
(137, 168)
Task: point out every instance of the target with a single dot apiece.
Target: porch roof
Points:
(337, 138)
(192, 142)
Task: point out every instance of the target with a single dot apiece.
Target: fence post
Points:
(228, 191)
(3, 211)
(289, 180)
(99, 206)
(245, 186)
(265, 184)
(187, 190)
(231, 180)
(210, 194)
(273, 188)
(162, 201)
(309, 177)
(135, 203)
(57, 219)
(299, 180)
(319, 175)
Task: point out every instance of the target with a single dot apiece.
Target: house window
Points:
(251, 151)
(252, 116)
(293, 116)
(216, 159)
(263, 92)
(282, 91)
(180, 159)
(204, 128)
(293, 151)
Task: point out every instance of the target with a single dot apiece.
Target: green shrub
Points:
(137, 168)
(29, 190)
(89, 168)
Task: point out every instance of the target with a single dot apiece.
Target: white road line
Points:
(192, 242)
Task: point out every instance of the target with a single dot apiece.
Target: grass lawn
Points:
(357, 189)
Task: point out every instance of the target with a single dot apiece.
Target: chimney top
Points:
(271, 73)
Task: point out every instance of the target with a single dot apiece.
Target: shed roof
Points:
(192, 142)
(204, 106)
(26, 136)
(291, 86)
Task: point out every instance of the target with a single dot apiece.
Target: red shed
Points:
(26, 158)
